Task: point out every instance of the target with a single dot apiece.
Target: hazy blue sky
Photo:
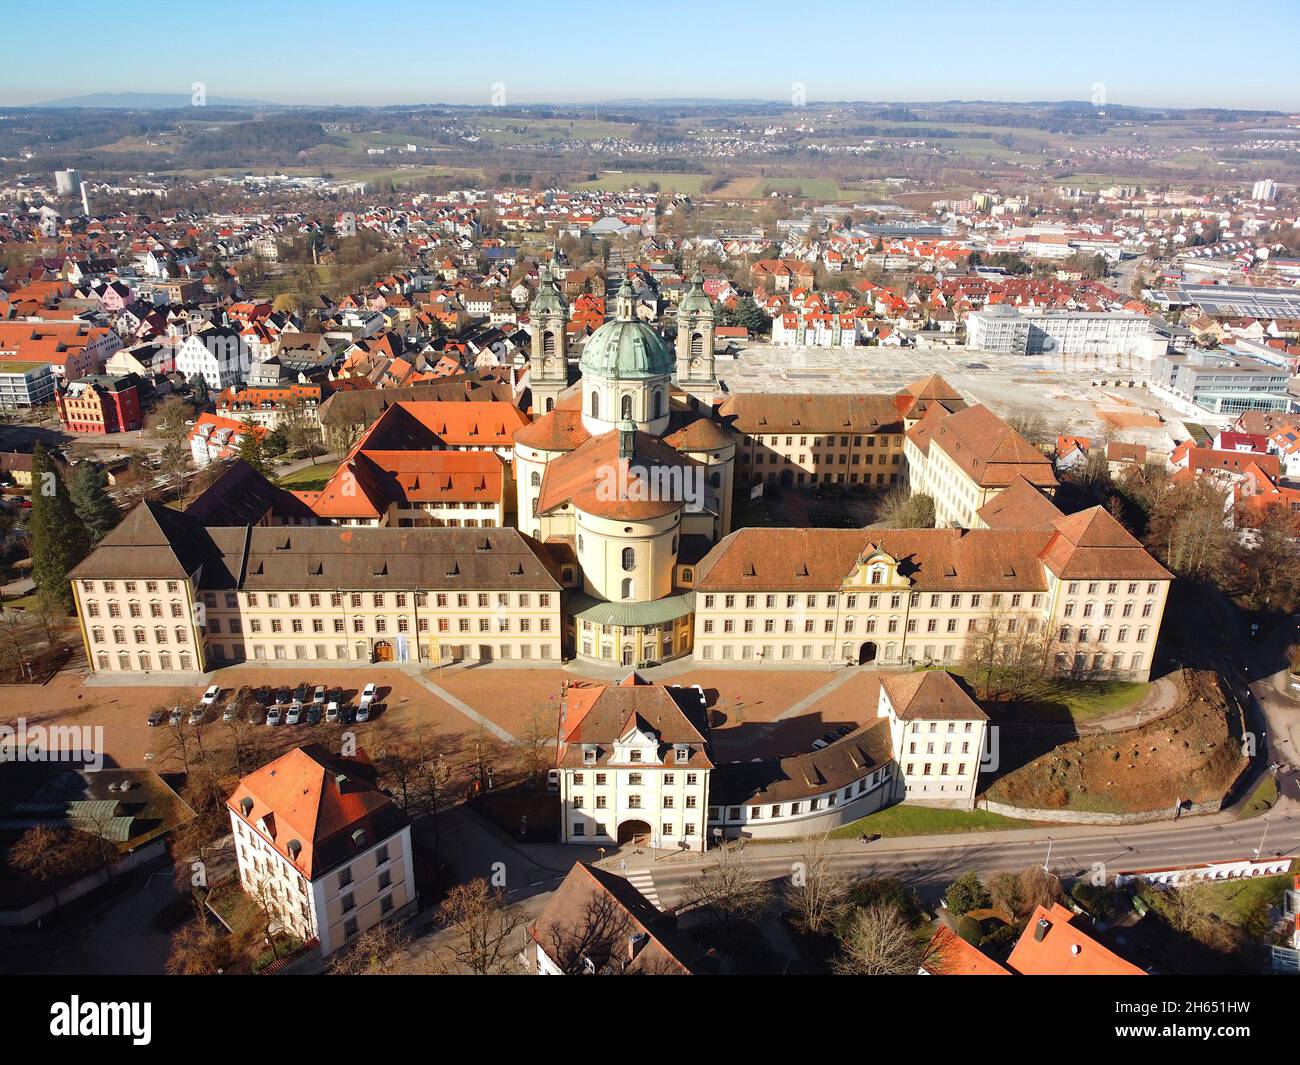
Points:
(402, 51)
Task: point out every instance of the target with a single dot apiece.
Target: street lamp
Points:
(1047, 862)
(1260, 849)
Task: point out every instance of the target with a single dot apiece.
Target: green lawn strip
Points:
(906, 820)
(1261, 799)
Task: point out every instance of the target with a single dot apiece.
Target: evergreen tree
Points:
(252, 451)
(93, 504)
(58, 539)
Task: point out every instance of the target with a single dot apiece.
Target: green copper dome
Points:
(695, 300)
(621, 350)
(548, 299)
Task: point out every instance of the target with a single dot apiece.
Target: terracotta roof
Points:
(931, 695)
(364, 485)
(1018, 506)
(759, 413)
(698, 434)
(602, 713)
(950, 955)
(557, 430)
(987, 449)
(822, 559)
(310, 805)
(589, 923)
(598, 478)
(1092, 543)
(1051, 945)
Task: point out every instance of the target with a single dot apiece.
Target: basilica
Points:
(627, 470)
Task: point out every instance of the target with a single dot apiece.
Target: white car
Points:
(211, 695)
(176, 716)
(332, 712)
(368, 694)
(295, 713)
(198, 714)
(273, 716)
(318, 696)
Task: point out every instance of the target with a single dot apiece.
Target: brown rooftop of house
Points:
(600, 714)
(1018, 506)
(864, 750)
(632, 479)
(984, 447)
(759, 413)
(931, 695)
(598, 922)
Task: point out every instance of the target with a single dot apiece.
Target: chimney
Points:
(635, 942)
(1040, 931)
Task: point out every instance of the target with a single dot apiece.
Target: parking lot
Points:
(1064, 392)
(780, 712)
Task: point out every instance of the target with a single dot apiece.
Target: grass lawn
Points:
(904, 820)
(30, 601)
(1261, 799)
(309, 478)
(1233, 900)
(612, 181)
(1060, 699)
(814, 188)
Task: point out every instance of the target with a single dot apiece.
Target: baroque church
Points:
(626, 471)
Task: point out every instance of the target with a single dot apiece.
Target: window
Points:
(595, 404)
(629, 559)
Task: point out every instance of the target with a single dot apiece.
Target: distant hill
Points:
(148, 101)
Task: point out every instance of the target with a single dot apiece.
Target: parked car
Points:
(256, 714)
(274, 716)
(314, 713)
(318, 696)
(231, 713)
(176, 716)
(368, 694)
(332, 711)
(364, 711)
(347, 714)
(301, 694)
(263, 697)
(198, 714)
(295, 713)
(283, 697)
(211, 696)
(158, 717)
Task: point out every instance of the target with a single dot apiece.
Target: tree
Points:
(252, 449)
(879, 942)
(47, 852)
(200, 948)
(57, 536)
(967, 893)
(379, 949)
(1187, 529)
(534, 741)
(901, 509)
(1270, 564)
(1005, 656)
(93, 504)
(817, 892)
(481, 928)
(729, 887)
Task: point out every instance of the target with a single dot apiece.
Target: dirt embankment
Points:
(1193, 753)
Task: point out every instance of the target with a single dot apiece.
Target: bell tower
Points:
(548, 317)
(695, 369)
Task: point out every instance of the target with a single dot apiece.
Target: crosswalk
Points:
(644, 883)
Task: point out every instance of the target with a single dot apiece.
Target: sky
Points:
(1187, 54)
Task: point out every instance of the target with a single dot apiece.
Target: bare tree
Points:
(535, 740)
(817, 891)
(482, 930)
(879, 942)
(1006, 654)
(378, 950)
(729, 887)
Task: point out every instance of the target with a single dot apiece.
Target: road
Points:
(929, 863)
